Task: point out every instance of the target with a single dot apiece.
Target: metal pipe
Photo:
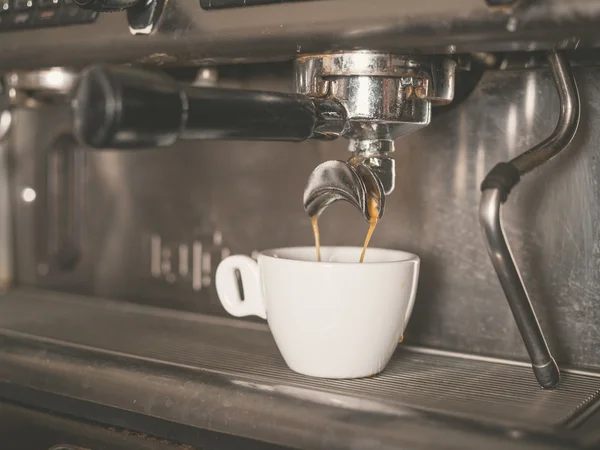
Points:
(544, 367)
(495, 189)
(568, 119)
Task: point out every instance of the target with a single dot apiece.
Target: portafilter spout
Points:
(352, 181)
(369, 175)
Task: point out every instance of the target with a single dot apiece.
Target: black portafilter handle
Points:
(125, 107)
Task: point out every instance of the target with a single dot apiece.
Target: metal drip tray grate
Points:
(425, 380)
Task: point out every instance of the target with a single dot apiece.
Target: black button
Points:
(74, 14)
(20, 20)
(88, 16)
(46, 17)
(69, 14)
(47, 3)
(22, 5)
(4, 6)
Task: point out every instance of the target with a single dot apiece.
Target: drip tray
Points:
(227, 376)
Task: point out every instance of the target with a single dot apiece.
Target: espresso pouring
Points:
(373, 208)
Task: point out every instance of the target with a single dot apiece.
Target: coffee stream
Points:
(373, 208)
(373, 219)
(315, 227)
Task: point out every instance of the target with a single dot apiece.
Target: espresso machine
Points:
(142, 142)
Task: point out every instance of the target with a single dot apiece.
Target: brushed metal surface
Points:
(227, 376)
(157, 222)
(7, 257)
(240, 407)
(186, 34)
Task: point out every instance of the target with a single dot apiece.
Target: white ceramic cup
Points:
(334, 319)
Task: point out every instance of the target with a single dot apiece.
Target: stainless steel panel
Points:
(157, 222)
(7, 256)
(227, 376)
(189, 35)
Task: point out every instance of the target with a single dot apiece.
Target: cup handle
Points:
(413, 294)
(227, 287)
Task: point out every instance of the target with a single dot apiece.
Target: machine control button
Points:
(88, 16)
(20, 20)
(46, 17)
(19, 14)
(70, 15)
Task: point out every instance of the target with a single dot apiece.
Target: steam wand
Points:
(495, 189)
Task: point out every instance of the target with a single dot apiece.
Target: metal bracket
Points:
(27, 88)
(386, 96)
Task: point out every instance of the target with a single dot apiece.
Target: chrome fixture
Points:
(27, 88)
(62, 185)
(5, 114)
(385, 97)
(495, 189)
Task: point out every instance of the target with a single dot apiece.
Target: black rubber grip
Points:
(504, 176)
(125, 107)
(216, 113)
(122, 107)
